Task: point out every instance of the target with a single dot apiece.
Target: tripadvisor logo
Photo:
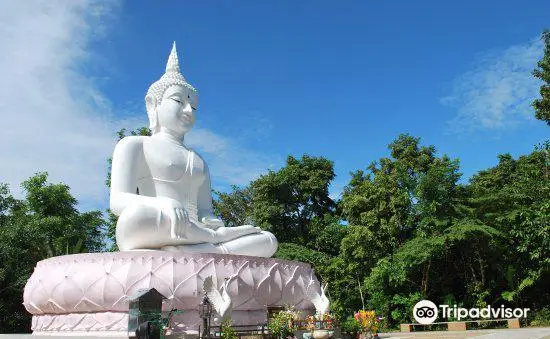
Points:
(426, 312)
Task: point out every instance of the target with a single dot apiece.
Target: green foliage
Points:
(326, 234)
(45, 224)
(351, 327)
(414, 191)
(284, 202)
(361, 248)
(344, 287)
(542, 105)
(541, 317)
(512, 197)
(293, 203)
(235, 207)
(401, 307)
(228, 332)
(281, 325)
(413, 231)
(398, 212)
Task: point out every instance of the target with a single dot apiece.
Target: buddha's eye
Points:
(176, 100)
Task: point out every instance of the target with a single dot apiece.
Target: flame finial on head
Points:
(173, 63)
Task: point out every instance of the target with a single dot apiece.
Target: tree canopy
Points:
(406, 228)
(286, 201)
(542, 72)
(44, 224)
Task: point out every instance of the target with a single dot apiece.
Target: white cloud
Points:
(57, 120)
(497, 92)
(54, 118)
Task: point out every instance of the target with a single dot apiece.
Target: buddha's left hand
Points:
(212, 222)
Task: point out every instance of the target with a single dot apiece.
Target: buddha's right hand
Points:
(179, 219)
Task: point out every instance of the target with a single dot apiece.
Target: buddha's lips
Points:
(188, 117)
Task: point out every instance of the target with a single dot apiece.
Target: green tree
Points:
(514, 197)
(434, 268)
(344, 289)
(286, 201)
(45, 224)
(327, 234)
(235, 207)
(406, 214)
(412, 192)
(542, 105)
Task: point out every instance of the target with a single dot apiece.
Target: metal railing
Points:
(263, 331)
(242, 331)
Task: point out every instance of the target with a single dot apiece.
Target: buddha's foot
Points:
(263, 244)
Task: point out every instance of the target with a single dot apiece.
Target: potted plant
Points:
(368, 322)
(282, 326)
(320, 326)
(351, 328)
(227, 331)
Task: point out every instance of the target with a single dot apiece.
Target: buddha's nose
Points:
(187, 108)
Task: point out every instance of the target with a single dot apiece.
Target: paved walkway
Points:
(522, 333)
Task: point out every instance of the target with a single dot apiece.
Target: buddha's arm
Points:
(204, 203)
(126, 166)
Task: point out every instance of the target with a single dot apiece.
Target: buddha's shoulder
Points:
(195, 153)
(131, 143)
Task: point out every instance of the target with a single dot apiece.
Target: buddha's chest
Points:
(172, 163)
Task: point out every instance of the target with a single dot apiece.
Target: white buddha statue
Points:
(160, 189)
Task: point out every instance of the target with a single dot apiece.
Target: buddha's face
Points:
(174, 111)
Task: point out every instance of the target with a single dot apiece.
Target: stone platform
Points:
(86, 294)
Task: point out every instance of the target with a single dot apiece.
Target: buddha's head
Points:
(171, 101)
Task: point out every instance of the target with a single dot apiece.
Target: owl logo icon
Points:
(425, 312)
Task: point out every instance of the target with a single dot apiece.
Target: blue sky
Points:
(333, 79)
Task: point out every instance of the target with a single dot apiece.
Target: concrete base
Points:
(513, 323)
(406, 328)
(456, 326)
(87, 294)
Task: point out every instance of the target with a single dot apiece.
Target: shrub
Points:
(282, 324)
(351, 327)
(227, 330)
(541, 317)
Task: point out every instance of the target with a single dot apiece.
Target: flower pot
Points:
(366, 335)
(321, 334)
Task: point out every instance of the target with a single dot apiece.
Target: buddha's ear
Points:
(151, 107)
(150, 103)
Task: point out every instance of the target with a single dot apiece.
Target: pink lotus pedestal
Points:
(87, 294)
